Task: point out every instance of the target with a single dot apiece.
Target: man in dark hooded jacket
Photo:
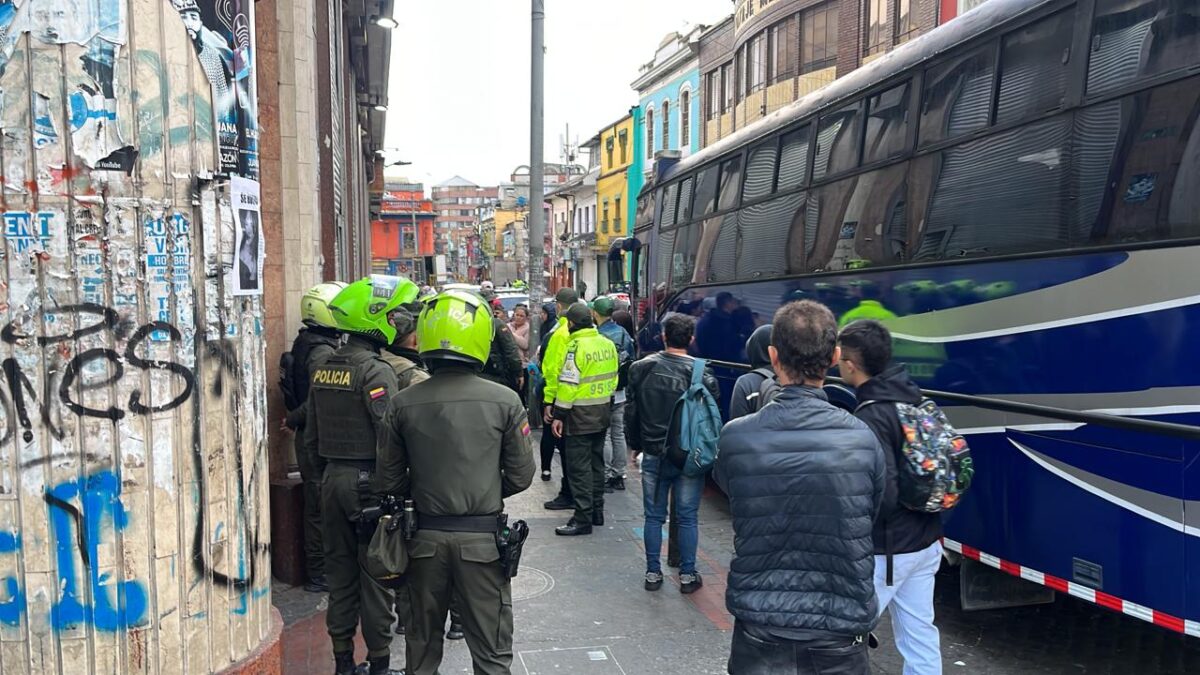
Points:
(908, 549)
(745, 398)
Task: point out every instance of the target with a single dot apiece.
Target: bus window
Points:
(1005, 193)
(887, 124)
(1134, 39)
(760, 172)
(706, 191)
(793, 160)
(1034, 64)
(837, 142)
(957, 96)
(687, 241)
(663, 259)
(767, 230)
(670, 196)
(684, 213)
(731, 182)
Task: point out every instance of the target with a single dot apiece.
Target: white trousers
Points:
(910, 601)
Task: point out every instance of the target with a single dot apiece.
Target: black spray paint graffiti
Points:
(94, 319)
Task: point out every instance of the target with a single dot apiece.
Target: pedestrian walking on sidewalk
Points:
(616, 453)
(348, 397)
(581, 413)
(805, 481)
(908, 549)
(459, 445)
(655, 385)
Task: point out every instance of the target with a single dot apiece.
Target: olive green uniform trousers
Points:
(353, 594)
(466, 566)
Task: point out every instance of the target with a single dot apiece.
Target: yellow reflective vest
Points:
(583, 398)
(552, 360)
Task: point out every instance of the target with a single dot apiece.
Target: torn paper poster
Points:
(43, 125)
(72, 21)
(122, 159)
(248, 246)
(223, 36)
(93, 125)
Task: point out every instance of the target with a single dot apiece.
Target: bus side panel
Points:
(1029, 504)
(1191, 491)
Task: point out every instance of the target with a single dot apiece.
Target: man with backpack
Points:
(759, 386)
(653, 425)
(314, 344)
(804, 480)
(907, 542)
(615, 451)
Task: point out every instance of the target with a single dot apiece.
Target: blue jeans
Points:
(660, 478)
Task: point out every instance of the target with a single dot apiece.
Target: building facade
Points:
(668, 89)
(404, 237)
(770, 53)
(619, 181)
(157, 239)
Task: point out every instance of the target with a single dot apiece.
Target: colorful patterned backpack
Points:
(936, 469)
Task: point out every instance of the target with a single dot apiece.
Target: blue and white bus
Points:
(1017, 195)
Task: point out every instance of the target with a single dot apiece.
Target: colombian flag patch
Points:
(377, 392)
(525, 428)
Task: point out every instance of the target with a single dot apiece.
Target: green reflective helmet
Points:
(314, 306)
(456, 325)
(362, 307)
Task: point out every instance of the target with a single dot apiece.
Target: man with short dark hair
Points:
(804, 481)
(552, 359)
(655, 385)
(908, 549)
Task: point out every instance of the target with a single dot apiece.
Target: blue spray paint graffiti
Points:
(102, 510)
(12, 608)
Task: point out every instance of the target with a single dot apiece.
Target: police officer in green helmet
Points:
(347, 401)
(315, 343)
(457, 445)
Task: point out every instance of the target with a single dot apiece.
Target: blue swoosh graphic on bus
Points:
(1167, 511)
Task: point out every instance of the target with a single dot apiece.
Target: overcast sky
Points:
(459, 91)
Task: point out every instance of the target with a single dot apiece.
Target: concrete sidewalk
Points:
(578, 602)
(580, 608)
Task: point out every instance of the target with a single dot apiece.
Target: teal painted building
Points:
(668, 90)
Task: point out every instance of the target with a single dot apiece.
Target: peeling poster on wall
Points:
(222, 34)
(248, 242)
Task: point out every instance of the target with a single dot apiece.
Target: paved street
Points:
(580, 608)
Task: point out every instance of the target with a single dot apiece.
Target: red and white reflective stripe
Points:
(1071, 588)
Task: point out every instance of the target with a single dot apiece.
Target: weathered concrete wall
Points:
(134, 530)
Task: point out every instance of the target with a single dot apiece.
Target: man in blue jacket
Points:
(805, 480)
(616, 453)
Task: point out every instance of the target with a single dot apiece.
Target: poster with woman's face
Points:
(248, 245)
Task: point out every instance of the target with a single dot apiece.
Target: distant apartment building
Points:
(770, 53)
(456, 203)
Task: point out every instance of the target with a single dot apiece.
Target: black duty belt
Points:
(360, 464)
(457, 523)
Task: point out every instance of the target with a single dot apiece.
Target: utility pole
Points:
(537, 225)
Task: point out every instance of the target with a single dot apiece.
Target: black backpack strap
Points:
(865, 404)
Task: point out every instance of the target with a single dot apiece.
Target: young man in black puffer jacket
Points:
(804, 480)
(908, 549)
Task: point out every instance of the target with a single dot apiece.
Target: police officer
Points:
(348, 399)
(552, 363)
(314, 344)
(582, 412)
(457, 444)
(406, 361)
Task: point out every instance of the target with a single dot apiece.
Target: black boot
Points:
(455, 632)
(343, 663)
(597, 518)
(559, 503)
(317, 584)
(573, 528)
(381, 665)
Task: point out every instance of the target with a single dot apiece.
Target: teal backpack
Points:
(699, 426)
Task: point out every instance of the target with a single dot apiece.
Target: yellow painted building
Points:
(613, 202)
